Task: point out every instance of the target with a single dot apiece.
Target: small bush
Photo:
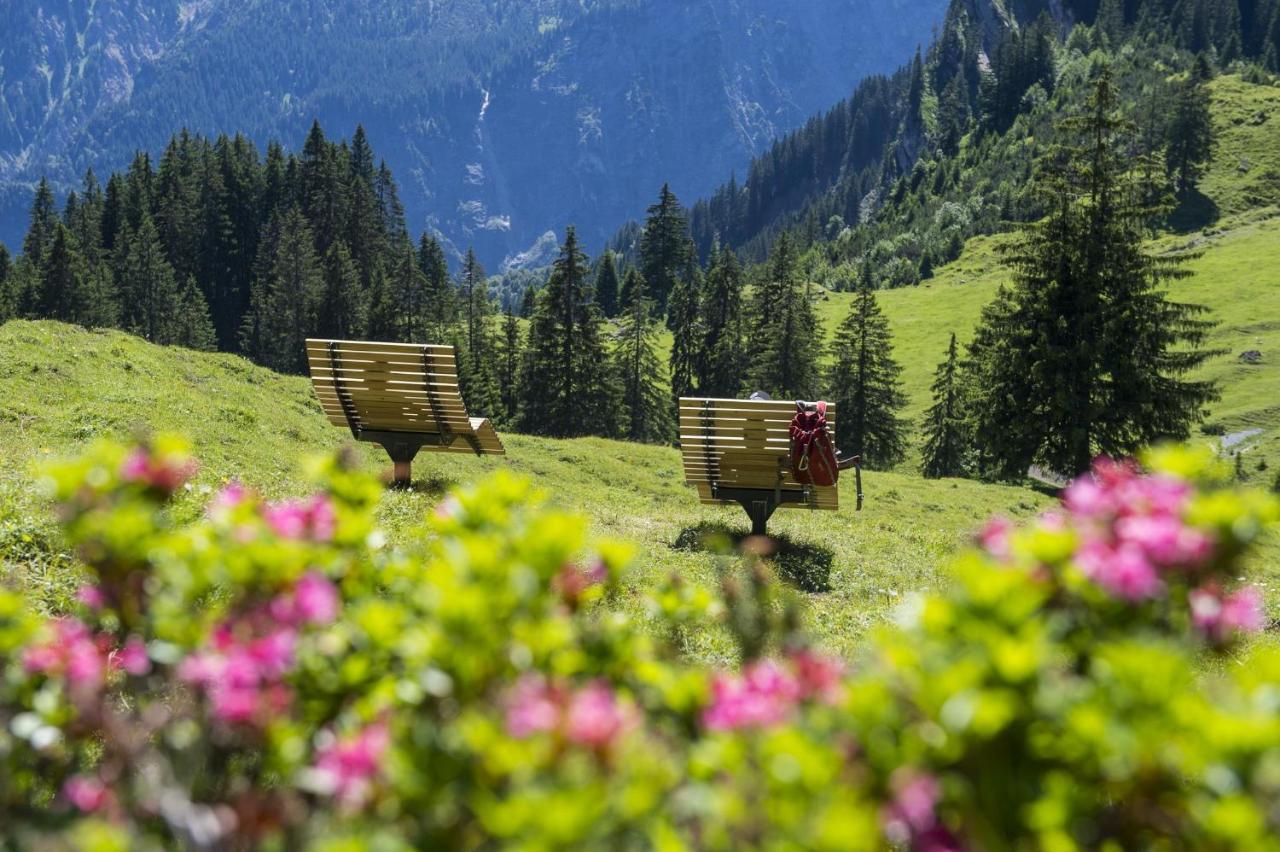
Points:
(279, 675)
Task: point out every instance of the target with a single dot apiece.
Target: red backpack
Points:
(813, 456)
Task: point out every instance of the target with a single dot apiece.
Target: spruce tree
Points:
(478, 370)
(407, 290)
(865, 384)
(1085, 354)
(607, 286)
(1191, 138)
(440, 303)
(508, 354)
(566, 385)
(344, 310)
(8, 298)
(192, 326)
(722, 364)
(63, 279)
(148, 291)
(946, 442)
(528, 302)
(286, 300)
(685, 320)
(785, 335)
(646, 407)
(664, 247)
(43, 224)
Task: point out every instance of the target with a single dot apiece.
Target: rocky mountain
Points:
(502, 119)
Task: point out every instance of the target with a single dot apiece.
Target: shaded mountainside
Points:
(504, 119)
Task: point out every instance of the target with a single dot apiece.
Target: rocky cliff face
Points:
(501, 119)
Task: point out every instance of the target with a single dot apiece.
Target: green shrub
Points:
(279, 674)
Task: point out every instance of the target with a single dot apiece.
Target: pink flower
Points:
(232, 496)
(313, 519)
(87, 795)
(1220, 618)
(911, 819)
(818, 676)
(242, 671)
(762, 696)
(532, 707)
(91, 597)
(595, 717)
(72, 652)
(1165, 539)
(133, 657)
(994, 538)
(1124, 572)
(350, 765)
(165, 474)
(316, 599)
(1243, 611)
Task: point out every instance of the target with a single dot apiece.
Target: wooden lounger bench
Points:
(401, 395)
(739, 451)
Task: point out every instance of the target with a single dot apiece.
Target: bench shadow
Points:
(429, 486)
(804, 566)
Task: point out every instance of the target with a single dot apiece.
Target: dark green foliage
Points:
(646, 407)
(192, 326)
(865, 384)
(44, 222)
(946, 441)
(607, 286)
(344, 311)
(508, 356)
(406, 288)
(63, 279)
(723, 362)
(441, 310)
(528, 302)
(566, 385)
(664, 247)
(8, 299)
(1085, 355)
(287, 298)
(785, 342)
(477, 365)
(1191, 140)
(684, 317)
(148, 290)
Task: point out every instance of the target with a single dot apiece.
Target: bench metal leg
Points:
(759, 503)
(759, 511)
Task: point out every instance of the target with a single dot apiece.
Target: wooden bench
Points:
(739, 451)
(403, 396)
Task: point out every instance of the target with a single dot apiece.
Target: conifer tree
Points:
(664, 247)
(344, 309)
(1085, 355)
(685, 320)
(528, 302)
(865, 384)
(148, 291)
(1191, 137)
(477, 367)
(192, 326)
(646, 407)
(440, 307)
(63, 279)
(8, 299)
(722, 364)
(286, 300)
(508, 352)
(785, 334)
(43, 225)
(566, 385)
(407, 290)
(946, 441)
(607, 286)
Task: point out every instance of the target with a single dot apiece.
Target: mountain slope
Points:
(505, 119)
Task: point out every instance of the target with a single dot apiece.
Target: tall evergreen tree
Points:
(1085, 355)
(528, 302)
(1191, 137)
(722, 365)
(508, 352)
(946, 443)
(43, 224)
(8, 298)
(344, 310)
(685, 320)
(607, 286)
(785, 334)
(407, 291)
(192, 326)
(286, 299)
(566, 385)
(646, 408)
(149, 293)
(64, 280)
(478, 370)
(664, 247)
(440, 307)
(865, 384)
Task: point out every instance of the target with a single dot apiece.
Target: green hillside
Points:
(66, 387)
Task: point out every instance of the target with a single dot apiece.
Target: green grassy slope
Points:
(67, 386)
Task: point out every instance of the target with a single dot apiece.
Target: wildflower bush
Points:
(280, 675)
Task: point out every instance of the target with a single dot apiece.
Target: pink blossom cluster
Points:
(767, 692)
(910, 819)
(349, 765)
(165, 474)
(73, 652)
(243, 671)
(312, 519)
(573, 581)
(87, 795)
(1221, 617)
(592, 716)
(1132, 529)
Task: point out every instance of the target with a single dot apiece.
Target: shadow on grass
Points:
(806, 567)
(1194, 212)
(430, 486)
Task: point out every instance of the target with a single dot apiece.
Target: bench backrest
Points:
(743, 444)
(395, 387)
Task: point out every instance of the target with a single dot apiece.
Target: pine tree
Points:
(566, 386)
(63, 279)
(8, 298)
(148, 291)
(722, 365)
(508, 352)
(664, 247)
(407, 291)
(286, 300)
(1191, 140)
(946, 441)
(607, 285)
(344, 310)
(478, 373)
(528, 302)
(43, 224)
(785, 333)
(646, 407)
(865, 384)
(1085, 355)
(192, 326)
(685, 320)
(440, 308)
